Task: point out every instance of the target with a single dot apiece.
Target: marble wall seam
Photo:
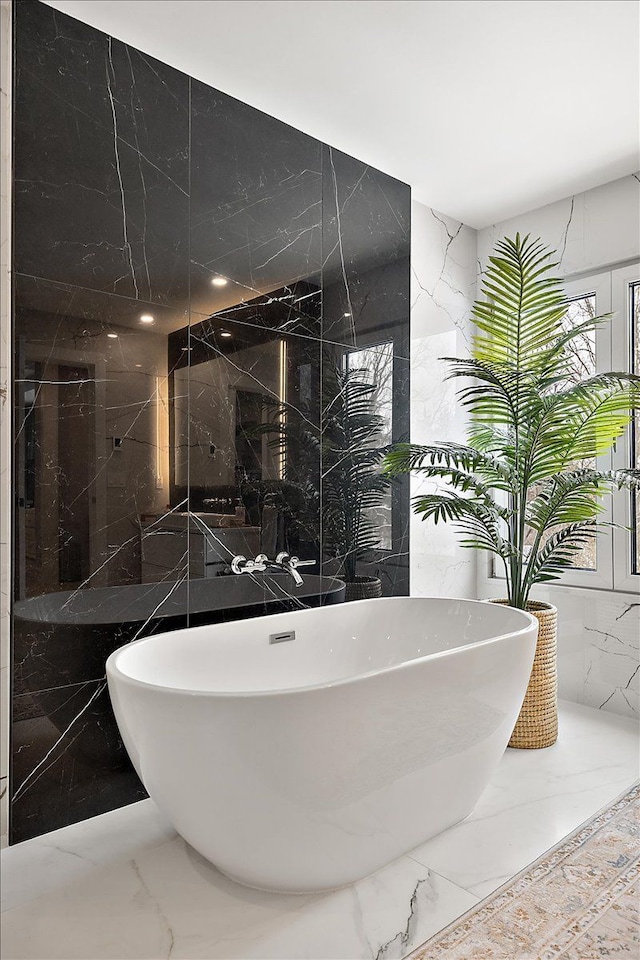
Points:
(592, 231)
(5, 405)
(443, 283)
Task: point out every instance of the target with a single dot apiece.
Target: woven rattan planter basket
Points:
(363, 588)
(537, 724)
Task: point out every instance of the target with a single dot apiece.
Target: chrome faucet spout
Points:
(290, 564)
(297, 579)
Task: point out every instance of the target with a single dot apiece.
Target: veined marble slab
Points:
(536, 798)
(132, 896)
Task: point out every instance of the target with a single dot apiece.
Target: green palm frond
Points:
(581, 423)
(628, 477)
(476, 520)
(556, 364)
(560, 551)
(571, 497)
(406, 457)
(457, 479)
(523, 308)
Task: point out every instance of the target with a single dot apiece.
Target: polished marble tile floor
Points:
(123, 885)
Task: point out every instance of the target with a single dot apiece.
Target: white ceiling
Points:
(487, 108)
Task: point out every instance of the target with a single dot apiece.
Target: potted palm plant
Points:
(526, 487)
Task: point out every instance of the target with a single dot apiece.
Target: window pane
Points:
(375, 366)
(582, 364)
(582, 350)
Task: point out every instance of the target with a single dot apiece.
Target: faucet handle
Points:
(285, 559)
(240, 564)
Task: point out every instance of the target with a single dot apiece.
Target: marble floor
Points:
(124, 885)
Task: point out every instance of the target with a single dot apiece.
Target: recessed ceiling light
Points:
(112, 336)
(147, 318)
(219, 282)
(225, 333)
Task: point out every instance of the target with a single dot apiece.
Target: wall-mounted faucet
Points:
(262, 562)
(288, 563)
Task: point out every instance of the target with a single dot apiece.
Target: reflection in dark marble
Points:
(61, 306)
(90, 400)
(188, 273)
(294, 308)
(65, 638)
(101, 161)
(256, 200)
(365, 408)
(366, 242)
(57, 778)
(245, 423)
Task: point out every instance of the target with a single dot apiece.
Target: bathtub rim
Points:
(113, 671)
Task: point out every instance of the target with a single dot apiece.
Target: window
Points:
(613, 560)
(626, 356)
(583, 364)
(635, 431)
(375, 366)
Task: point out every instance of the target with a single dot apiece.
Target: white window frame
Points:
(621, 280)
(613, 352)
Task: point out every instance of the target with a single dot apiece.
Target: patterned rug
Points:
(578, 901)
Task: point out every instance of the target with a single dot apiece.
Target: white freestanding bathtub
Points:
(306, 764)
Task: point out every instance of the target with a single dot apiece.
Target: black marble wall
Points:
(192, 281)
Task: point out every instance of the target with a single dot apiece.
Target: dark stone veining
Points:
(101, 161)
(147, 454)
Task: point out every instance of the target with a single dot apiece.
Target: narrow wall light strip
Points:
(162, 427)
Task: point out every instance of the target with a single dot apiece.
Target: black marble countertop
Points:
(149, 601)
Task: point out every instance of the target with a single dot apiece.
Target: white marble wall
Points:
(598, 645)
(599, 661)
(5, 406)
(599, 630)
(443, 278)
(592, 231)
